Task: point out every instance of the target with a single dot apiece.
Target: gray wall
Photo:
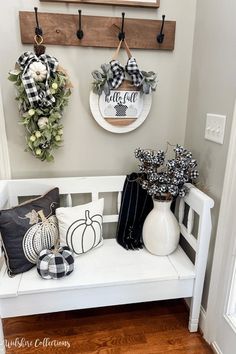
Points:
(212, 90)
(88, 149)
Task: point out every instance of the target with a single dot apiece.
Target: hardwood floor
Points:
(148, 328)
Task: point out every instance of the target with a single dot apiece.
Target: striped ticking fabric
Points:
(135, 206)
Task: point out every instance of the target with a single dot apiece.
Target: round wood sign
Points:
(124, 110)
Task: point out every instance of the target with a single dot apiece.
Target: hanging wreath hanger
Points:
(38, 38)
(120, 44)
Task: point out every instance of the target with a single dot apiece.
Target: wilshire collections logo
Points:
(22, 342)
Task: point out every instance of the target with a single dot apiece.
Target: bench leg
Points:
(2, 342)
(194, 313)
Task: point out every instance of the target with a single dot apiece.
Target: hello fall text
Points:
(122, 97)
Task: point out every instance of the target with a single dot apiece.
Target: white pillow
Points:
(80, 227)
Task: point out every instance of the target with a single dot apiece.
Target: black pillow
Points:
(27, 229)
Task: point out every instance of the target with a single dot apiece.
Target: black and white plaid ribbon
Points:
(133, 70)
(118, 74)
(37, 96)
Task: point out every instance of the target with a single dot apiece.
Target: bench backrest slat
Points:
(196, 205)
(198, 202)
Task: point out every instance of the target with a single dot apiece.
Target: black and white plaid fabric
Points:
(55, 266)
(133, 70)
(37, 96)
(120, 110)
(118, 74)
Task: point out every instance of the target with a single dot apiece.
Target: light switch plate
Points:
(215, 128)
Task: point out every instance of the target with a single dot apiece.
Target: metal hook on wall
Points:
(38, 30)
(121, 35)
(161, 35)
(80, 32)
(39, 49)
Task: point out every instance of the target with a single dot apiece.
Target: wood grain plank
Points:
(102, 325)
(108, 317)
(154, 4)
(121, 122)
(148, 328)
(60, 29)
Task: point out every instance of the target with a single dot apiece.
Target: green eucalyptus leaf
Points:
(47, 135)
(105, 68)
(49, 158)
(106, 89)
(146, 88)
(12, 78)
(36, 143)
(97, 75)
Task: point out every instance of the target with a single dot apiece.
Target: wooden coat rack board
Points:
(60, 29)
(151, 4)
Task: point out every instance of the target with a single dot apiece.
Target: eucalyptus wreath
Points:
(165, 178)
(103, 80)
(43, 90)
(149, 82)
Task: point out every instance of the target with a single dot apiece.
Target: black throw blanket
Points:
(135, 206)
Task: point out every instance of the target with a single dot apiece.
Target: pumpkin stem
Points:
(88, 220)
(42, 216)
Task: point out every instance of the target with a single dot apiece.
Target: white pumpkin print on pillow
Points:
(42, 235)
(28, 228)
(80, 227)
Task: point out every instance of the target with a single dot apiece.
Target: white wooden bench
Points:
(109, 275)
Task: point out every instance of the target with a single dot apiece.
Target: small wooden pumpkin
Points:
(42, 235)
(85, 234)
(55, 263)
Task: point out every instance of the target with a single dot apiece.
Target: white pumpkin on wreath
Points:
(38, 71)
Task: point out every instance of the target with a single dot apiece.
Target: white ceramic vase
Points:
(161, 230)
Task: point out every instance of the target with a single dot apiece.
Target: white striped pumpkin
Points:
(42, 235)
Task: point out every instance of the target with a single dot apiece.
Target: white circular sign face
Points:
(124, 110)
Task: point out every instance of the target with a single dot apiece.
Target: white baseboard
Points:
(215, 348)
(202, 318)
(202, 327)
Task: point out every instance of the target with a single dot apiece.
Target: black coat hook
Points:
(80, 33)
(121, 35)
(160, 37)
(38, 30)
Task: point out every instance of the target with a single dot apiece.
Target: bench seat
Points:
(107, 266)
(110, 275)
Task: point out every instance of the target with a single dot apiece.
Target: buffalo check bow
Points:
(37, 96)
(133, 70)
(119, 73)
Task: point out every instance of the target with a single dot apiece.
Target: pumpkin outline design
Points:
(86, 222)
(41, 235)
